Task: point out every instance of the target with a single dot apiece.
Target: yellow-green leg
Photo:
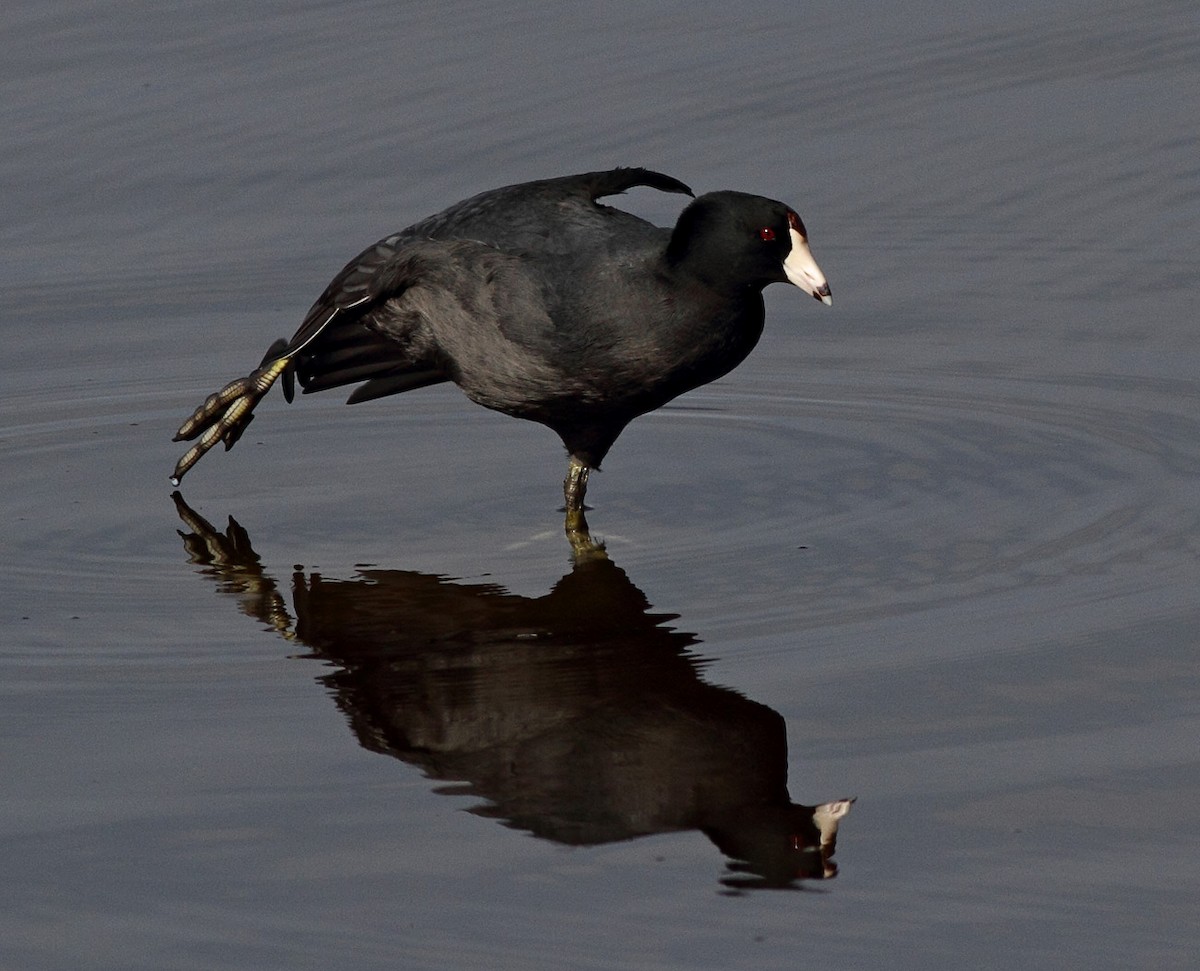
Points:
(225, 414)
(574, 489)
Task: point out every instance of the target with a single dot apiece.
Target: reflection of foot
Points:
(204, 544)
(583, 546)
(231, 559)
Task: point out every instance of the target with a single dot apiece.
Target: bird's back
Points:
(551, 216)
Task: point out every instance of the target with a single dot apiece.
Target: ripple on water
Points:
(933, 490)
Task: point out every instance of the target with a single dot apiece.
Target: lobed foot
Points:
(225, 415)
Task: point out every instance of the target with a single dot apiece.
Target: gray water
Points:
(940, 541)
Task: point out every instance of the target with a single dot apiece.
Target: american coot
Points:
(540, 303)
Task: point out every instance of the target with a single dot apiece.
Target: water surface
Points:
(935, 548)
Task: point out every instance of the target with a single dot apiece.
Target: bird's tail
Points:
(227, 413)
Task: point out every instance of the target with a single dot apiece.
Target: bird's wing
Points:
(516, 217)
(438, 310)
(550, 216)
(360, 283)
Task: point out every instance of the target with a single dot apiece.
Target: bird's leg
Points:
(574, 489)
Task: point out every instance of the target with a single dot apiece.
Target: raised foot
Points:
(225, 415)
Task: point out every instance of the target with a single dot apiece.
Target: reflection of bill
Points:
(578, 716)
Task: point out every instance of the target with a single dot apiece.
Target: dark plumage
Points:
(540, 303)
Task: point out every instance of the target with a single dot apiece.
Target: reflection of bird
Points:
(541, 304)
(579, 716)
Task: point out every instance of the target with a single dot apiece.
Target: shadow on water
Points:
(579, 716)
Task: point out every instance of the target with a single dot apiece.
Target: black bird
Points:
(540, 303)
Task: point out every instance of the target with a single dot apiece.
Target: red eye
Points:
(766, 234)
